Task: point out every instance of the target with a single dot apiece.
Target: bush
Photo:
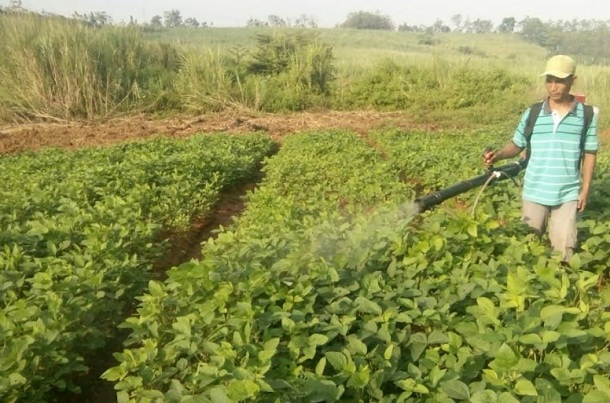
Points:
(285, 73)
(366, 20)
(388, 87)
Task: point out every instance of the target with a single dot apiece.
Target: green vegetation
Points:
(328, 288)
(80, 233)
(64, 69)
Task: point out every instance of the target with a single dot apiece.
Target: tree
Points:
(458, 21)
(366, 20)
(411, 28)
(16, 6)
(156, 21)
(508, 25)
(255, 22)
(480, 26)
(534, 30)
(191, 22)
(440, 27)
(172, 19)
(304, 21)
(275, 21)
(95, 20)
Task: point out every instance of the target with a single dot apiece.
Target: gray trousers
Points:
(561, 224)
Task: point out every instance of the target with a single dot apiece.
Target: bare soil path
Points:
(22, 137)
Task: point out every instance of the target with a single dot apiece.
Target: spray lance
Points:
(491, 176)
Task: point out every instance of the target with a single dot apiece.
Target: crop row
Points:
(79, 235)
(329, 288)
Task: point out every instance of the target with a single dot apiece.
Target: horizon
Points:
(236, 13)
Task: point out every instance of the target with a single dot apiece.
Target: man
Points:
(557, 180)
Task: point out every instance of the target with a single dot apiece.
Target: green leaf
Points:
(505, 358)
(151, 394)
(472, 230)
(387, 354)
(406, 384)
(288, 324)
(507, 398)
(485, 396)
(322, 390)
(317, 339)
(269, 349)
(456, 390)
(360, 378)
(602, 383)
(219, 395)
(271, 344)
(596, 396)
(114, 374)
(547, 392)
(155, 289)
(551, 315)
(16, 379)
(320, 366)
(435, 375)
(531, 338)
(242, 389)
(438, 337)
(419, 388)
(122, 397)
(355, 346)
(337, 359)
(524, 387)
(417, 345)
(486, 305)
(550, 336)
(367, 306)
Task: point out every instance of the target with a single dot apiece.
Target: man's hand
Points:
(489, 157)
(582, 200)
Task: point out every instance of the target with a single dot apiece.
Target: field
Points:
(241, 255)
(327, 286)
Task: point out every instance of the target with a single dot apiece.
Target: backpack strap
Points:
(588, 118)
(529, 127)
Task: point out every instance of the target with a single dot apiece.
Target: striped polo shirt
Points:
(552, 176)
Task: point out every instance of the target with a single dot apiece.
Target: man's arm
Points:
(509, 151)
(588, 166)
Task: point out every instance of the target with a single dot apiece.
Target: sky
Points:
(329, 13)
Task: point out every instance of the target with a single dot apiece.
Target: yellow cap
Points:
(560, 66)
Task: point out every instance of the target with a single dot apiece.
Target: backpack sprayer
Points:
(491, 176)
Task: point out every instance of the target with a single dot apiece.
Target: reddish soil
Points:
(21, 137)
(185, 246)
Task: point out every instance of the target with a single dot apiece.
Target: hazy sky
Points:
(328, 13)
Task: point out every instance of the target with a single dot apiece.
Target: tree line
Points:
(587, 39)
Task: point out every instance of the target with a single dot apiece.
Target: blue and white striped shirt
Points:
(552, 176)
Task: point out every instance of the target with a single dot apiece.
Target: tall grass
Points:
(205, 82)
(59, 69)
